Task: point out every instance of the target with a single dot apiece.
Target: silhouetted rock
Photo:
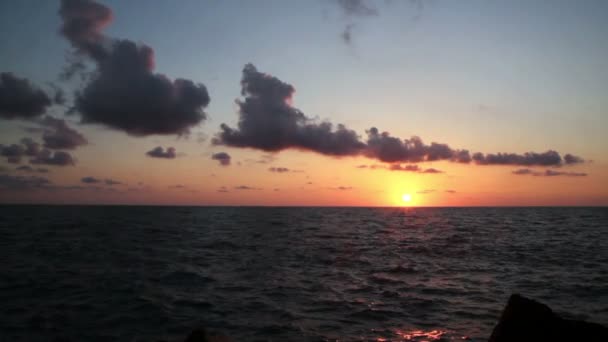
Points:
(526, 320)
(200, 335)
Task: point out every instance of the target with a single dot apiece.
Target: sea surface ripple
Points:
(292, 274)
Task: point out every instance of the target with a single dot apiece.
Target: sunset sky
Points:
(318, 102)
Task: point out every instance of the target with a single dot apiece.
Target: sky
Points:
(312, 103)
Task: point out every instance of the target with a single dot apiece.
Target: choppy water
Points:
(292, 274)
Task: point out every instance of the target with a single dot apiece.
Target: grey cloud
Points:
(548, 173)
(19, 99)
(245, 187)
(58, 135)
(426, 191)
(384, 147)
(357, 8)
(159, 152)
(27, 168)
(268, 122)
(278, 169)
(57, 158)
(222, 157)
(571, 159)
(90, 180)
(21, 182)
(13, 153)
(124, 93)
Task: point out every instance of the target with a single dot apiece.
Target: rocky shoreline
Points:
(522, 320)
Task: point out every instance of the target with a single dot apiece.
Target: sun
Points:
(406, 197)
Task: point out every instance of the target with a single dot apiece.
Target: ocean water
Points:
(292, 274)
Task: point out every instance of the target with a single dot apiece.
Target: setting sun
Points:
(406, 197)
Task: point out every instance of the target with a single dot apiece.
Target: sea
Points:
(143, 273)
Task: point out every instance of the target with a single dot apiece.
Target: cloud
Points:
(58, 135)
(451, 191)
(159, 152)
(548, 158)
(278, 169)
(358, 8)
(571, 159)
(19, 99)
(342, 188)
(90, 180)
(124, 93)
(384, 147)
(223, 189)
(22, 182)
(398, 167)
(111, 182)
(27, 168)
(57, 158)
(548, 173)
(13, 153)
(347, 34)
(425, 192)
(222, 157)
(268, 122)
(245, 187)
(432, 170)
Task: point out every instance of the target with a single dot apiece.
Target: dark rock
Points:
(197, 335)
(526, 320)
(201, 335)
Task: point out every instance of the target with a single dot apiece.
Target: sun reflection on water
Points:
(418, 335)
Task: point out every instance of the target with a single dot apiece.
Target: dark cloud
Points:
(13, 153)
(159, 152)
(222, 157)
(245, 187)
(549, 158)
(21, 182)
(58, 135)
(384, 147)
(223, 189)
(278, 169)
(27, 168)
(358, 8)
(451, 191)
(548, 173)
(57, 158)
(124, 93)
(32, 148)
(19, 99)
(268, 122)
(90, 180)
(347, 34)
(432, 170)
(408, 168)
(571, 159)
(426, 191)
(412, 168)
(342, 188)
(111, 182)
